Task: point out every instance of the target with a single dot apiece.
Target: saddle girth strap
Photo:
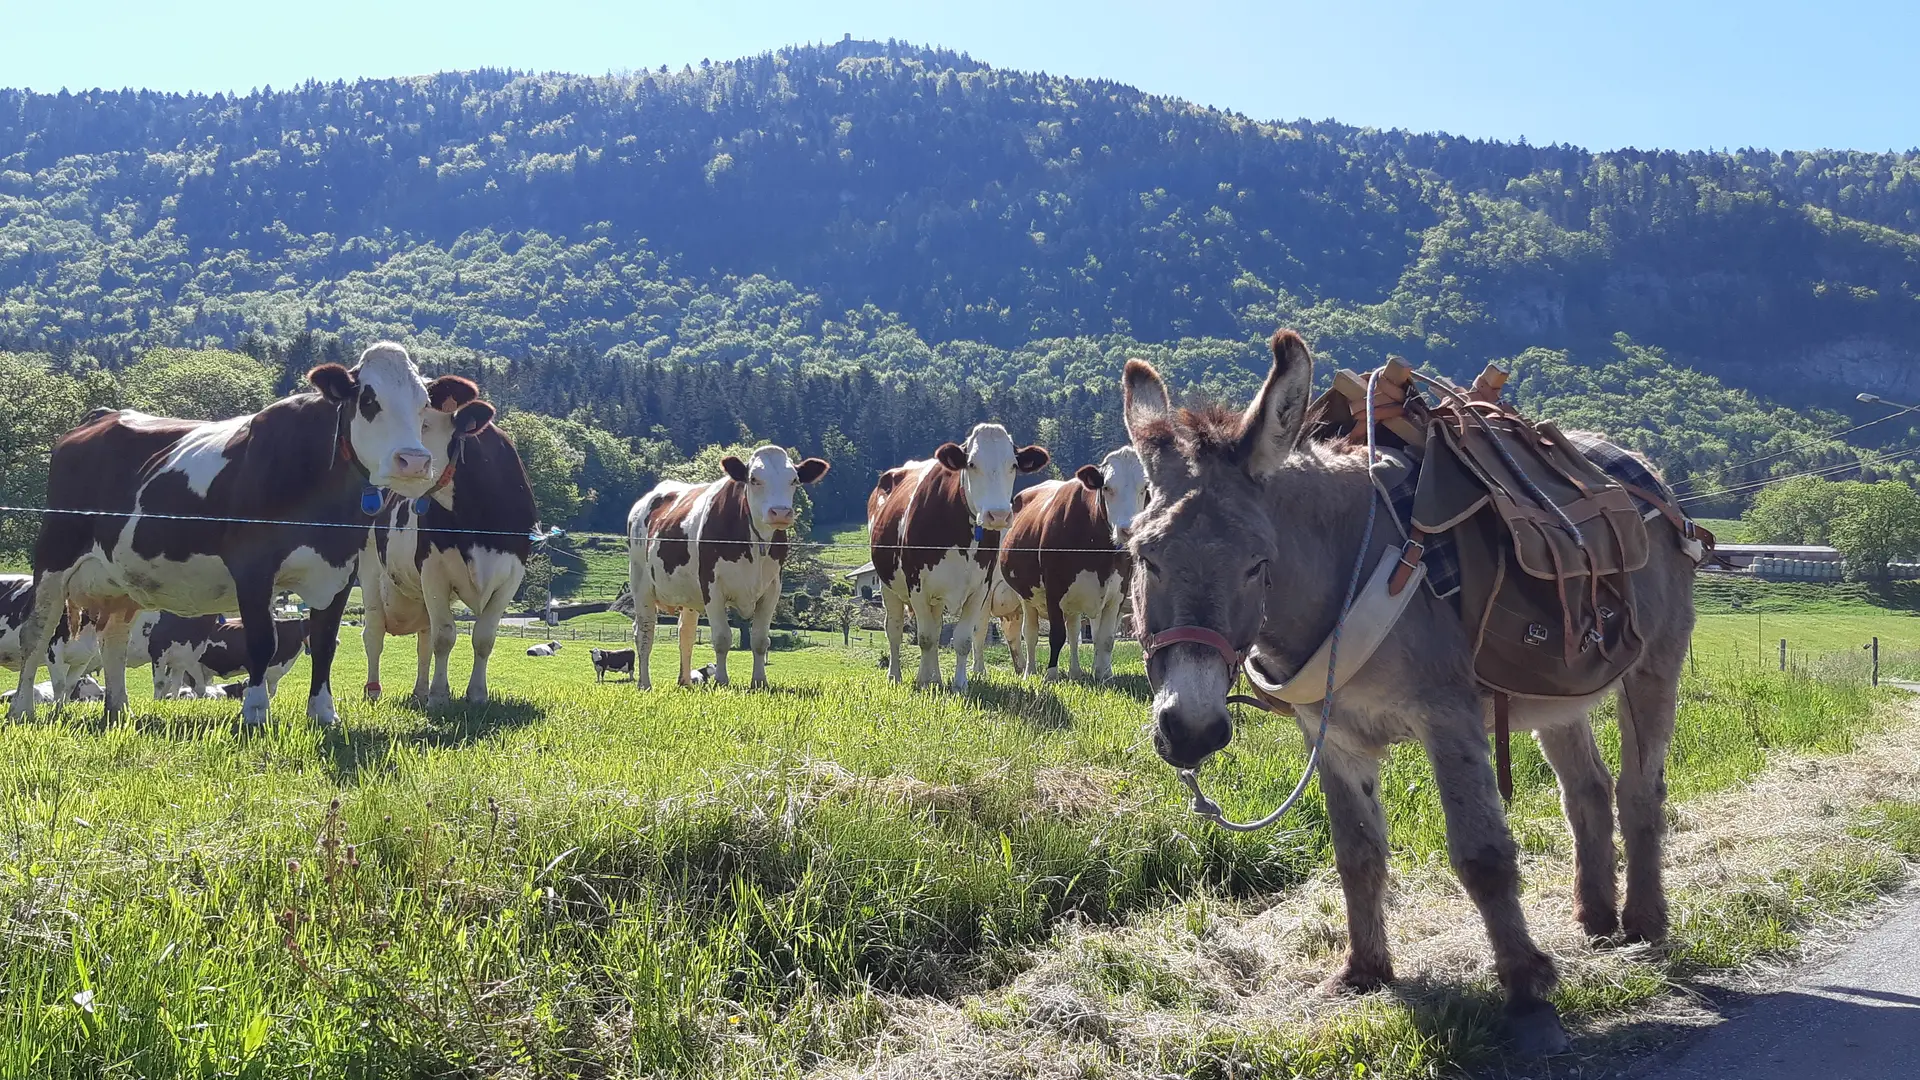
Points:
(1502, 750)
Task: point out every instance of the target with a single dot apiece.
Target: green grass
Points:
(846, 544)
(1725, 530)
(586, 879)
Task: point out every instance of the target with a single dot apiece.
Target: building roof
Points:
(863, 568)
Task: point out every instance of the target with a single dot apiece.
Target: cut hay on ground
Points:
(1761, 875)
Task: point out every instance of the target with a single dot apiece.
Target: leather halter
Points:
(1198, 635)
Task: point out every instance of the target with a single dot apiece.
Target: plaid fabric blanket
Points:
(1442, 559)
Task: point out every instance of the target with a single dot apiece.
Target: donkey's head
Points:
(1205, 544)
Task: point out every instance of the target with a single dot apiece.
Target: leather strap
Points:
(1198, 635)
(1502, 750)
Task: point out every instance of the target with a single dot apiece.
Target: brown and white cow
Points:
(74, 651)
(197, 517)
(194, 652)
(696, 548)
(472, 542)
(935, 531)
(1066, 556)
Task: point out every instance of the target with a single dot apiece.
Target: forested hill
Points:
(877, 211)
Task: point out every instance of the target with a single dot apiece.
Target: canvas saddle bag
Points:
(1547, 542)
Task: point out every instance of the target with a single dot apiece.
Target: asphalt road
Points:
(1857, 1017)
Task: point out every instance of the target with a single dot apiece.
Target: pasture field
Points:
(581, 879)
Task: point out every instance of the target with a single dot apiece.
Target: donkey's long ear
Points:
(1272, 425)
(1145, 398)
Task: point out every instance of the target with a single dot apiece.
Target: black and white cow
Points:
(197, 517)
(472, 541)
(74, 651)
(616, 660)
(193, 652)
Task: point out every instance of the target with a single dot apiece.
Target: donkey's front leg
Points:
(1351, 782)
(1483, 854)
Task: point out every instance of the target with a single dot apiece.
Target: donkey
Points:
(1251, 534)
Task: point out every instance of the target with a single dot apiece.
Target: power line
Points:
(1722, 469)
(1822, 471)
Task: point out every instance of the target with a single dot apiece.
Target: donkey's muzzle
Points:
(1185, 738)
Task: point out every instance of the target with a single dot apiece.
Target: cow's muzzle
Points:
(412, 464)
(997, 519)
(780, 517)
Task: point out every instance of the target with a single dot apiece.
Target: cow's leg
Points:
(689, 629)
(1104, 633)
(114, 630)
(1056, 636)
(443, 632)
(422, 667)
(972, 614)
(1586, 796)
(646, 620)
(926, 633)
(373, 636)
(1074, 619)
(722, 638)
(323, 637)
(1648, 700)
(1029, 638)
(763, 633)
(49, 603)
(253, 587)
(1481, 849)
(486, 630)
(980, 645)
(1350, 781)
(896, 619)
(1011, 627)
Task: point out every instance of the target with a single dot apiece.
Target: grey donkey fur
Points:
(1252, 532)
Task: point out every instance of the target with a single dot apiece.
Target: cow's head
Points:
(1121, 482)
(987, 463)
(400, 429)
(770, 476)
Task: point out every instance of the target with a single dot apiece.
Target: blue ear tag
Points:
(420, 505)
(979, 533)
(371, 499)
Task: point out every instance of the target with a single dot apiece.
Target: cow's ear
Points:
(736, 468)
(1031, 459)
(472, 418)
(334, 382)
(1090, 478)
(952, 455)
(812, 469)
(449, 392)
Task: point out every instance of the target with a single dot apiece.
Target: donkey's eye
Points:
(1256, 569)
(1152, 567)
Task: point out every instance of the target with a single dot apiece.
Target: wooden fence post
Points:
(1783, 654)
(1876, 661)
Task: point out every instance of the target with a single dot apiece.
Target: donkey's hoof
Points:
(1644, 927)
(1355, 977)
(1600, 923)
(1533, 1029)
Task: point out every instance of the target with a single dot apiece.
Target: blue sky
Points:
(1676, 74)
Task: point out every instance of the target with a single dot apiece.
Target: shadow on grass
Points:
(347, 751)
(1132, 685)
(1037, 705)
